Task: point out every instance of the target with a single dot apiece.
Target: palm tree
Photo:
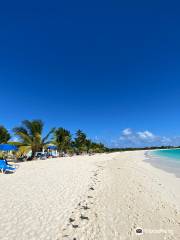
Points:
(62, 139)
(80, 142)
(88, 145)
(4, 135)
(30, 134)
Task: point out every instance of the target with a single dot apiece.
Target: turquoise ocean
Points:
(173, 154)
(168, 160)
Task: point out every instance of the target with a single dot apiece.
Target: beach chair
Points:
(4, 167)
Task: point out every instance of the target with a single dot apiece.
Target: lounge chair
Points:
(5, 167)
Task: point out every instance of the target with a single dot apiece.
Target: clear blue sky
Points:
(102, 66)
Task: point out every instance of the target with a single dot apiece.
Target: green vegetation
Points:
(79, 145)
(143, 148)
(4, 135)
(80, 142)
(63, 140)
(30, 135)
(84, 145)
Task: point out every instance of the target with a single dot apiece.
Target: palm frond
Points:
(33, 126)
(48, 135)
(20, 129)
(25, 138)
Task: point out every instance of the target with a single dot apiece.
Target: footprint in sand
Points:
(90, 197)
(75, 226)
(85, 207)
(82, 217)
(71, 220)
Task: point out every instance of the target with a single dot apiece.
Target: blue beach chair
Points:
(5, 167)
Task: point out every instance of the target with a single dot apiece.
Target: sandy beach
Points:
(99, 197)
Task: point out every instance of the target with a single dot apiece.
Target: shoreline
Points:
(165, 163)
(99, 197)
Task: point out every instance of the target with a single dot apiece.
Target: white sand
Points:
(42, 197)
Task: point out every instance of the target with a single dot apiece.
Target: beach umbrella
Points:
(8, 147)
(52, 147)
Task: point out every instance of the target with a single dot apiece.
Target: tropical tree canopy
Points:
(97, 147)
(62, 139)
(4, 135)
(80, 141)
(30, 135)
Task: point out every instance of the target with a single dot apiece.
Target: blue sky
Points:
(110, 68)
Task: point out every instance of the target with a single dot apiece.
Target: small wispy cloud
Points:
(127, 132)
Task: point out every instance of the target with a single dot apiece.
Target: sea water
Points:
(173, 154)
(166, 159)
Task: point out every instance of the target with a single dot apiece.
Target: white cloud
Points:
(166, 140)
(130, 138)
(146, 135)
(127, 132)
